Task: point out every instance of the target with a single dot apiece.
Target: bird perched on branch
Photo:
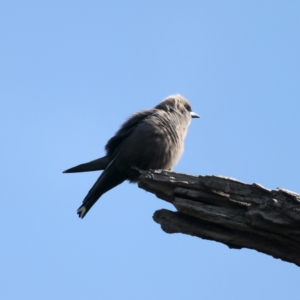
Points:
(149, 139)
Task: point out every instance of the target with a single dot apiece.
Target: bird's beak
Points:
(194, 115)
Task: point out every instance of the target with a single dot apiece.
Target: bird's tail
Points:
(107, 180)
(90, 199)
(84, 208)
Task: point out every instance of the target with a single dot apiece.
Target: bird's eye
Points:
(187, 107)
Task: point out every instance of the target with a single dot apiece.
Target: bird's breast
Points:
(155, 144)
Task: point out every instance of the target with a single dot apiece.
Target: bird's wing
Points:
(125, 130)
(112, 145)
(94, 165)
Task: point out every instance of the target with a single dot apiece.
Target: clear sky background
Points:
(71, 72)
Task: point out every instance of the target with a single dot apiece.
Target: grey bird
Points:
(149, 139)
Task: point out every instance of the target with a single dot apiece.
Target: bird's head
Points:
(179, 104)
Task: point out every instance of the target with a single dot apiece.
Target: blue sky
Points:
(71, 72)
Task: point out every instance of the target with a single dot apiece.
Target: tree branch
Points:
(228, 211)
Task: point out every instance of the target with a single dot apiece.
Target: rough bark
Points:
(228, 211)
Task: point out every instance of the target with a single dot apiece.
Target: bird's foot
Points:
(141, 171)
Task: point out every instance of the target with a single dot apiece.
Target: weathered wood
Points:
(228, 211)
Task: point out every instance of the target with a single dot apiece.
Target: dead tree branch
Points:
(228, 211)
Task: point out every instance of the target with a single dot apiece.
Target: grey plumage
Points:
(149, 139)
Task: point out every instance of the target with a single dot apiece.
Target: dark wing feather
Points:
(125, 130)
(95, 165)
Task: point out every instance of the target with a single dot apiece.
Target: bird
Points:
(149, 139)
